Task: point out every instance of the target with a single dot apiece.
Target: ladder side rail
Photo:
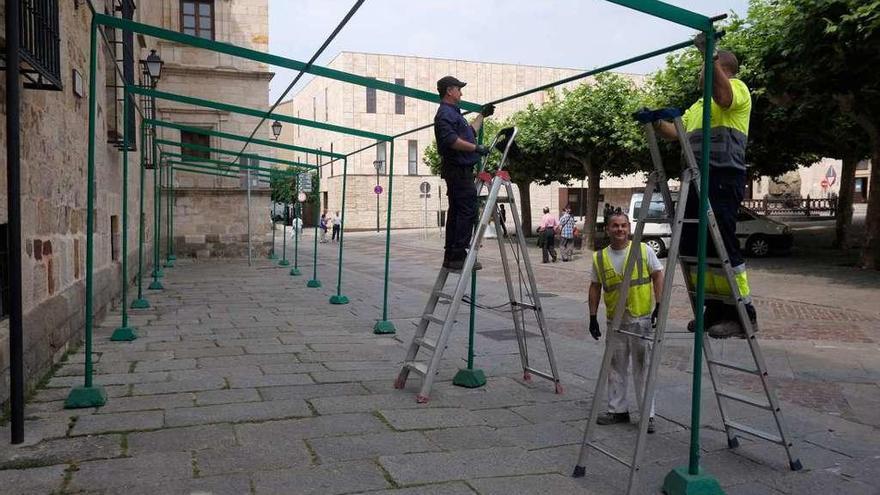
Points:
(422, 327)
(516, 313)
(598, 396)
(654, 150)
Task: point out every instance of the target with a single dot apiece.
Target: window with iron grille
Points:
(371, 99)
(122, 47)
(195, 138)
(40, 45)
(197, 18)
(399, 102)
(412, 163)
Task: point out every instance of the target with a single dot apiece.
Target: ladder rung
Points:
(542, 374)
(658, 220)
(715, 297)
(524, 305)
(426, 343)
(443, 295)
(692, 260)
(690, 220)
(733, 366)
(420, 368)
(637, 335)
(755, 432)
(433, 319)
(745, 399)
(609, 454)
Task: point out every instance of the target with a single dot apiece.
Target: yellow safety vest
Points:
(638, 302)
(716, 281)
(729, 132)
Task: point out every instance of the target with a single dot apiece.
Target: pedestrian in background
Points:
(323, 226)
(502, 213)
(566, 232)
(547, 230)
(337, 227)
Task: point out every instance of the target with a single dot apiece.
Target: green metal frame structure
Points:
(680, 480)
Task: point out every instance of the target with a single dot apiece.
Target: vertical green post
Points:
(124, 332)
(316, 188)
(171, 257)
(272, 254)
(384, 326)
(169, 198)
(693, 480)
(470, 377)
(157, 160)
(297, 215)
(140, 302)
(338, 298)
(89, 395)
(283, 261)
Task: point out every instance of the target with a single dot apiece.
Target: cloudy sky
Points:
(558, 33)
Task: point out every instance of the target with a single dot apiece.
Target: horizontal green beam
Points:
(200, 147)
(236, 137)
(260, 172)
(217, 174)
(191, 159)
(225, 107)
(267, 58)
(669, 12)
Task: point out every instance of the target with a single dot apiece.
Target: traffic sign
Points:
(301, 197)
(425, 187)
(377, 189)
(305, 182)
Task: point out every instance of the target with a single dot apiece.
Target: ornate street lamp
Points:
(276, 130)
(153, 65)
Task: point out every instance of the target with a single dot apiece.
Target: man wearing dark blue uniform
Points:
(459, 153)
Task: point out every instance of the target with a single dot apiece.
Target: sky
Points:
(556, 33)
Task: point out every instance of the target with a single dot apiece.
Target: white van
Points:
(758, 235)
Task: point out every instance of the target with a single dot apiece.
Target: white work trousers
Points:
(625, 348)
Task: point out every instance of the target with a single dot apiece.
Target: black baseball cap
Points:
(448, 82)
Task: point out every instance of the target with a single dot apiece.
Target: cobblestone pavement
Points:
(245, 381)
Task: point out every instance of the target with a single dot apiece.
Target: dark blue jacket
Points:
(449, 125)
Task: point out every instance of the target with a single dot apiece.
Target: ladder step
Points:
(426, 343)
(609, 454)
(692, 260)
(637, 335)
(433, 319)
(733, 366)
(542, 374)
(716, 297)
(660, 220)
(745, 399)
(523, 305)
(419, 368)
(755, 432)
(443, 295)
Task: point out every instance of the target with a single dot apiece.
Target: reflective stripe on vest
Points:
(638, 301)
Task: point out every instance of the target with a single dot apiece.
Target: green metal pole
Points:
(89, 395)
(385, 326)
(693, 480)
(169, 177)
(124, 332)
(140, 302)
(314, 282)
(284, 261)
(157, 270)
(272, 255)
(171, 257)
(298, 216)
(338, 298)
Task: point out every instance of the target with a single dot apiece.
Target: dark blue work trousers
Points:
(726, 191)
(462, 213)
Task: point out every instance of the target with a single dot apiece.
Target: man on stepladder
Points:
(459, 153)
(731, 110)
(608, 267)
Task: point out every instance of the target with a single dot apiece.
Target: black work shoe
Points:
(651, 427)
(611, 418)
(725, 329)
(454, 265)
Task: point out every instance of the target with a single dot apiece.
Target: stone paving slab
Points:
(454, 488)
(346, 448)
(467, 464)
(327, 479)
(295, 429)
(30, 481)
(526, 485)
(249, 459)
(191, 438)
(237, 413)
(236, 484)
(312, 391)
(115, 422)
(132, 471)
(426, 419)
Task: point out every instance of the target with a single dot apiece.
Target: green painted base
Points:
(155, 285)
(168, 264)
(172, 257)
(295, 272)
(313, 283)
(157, 273)
(140, 303)
(272, 256)
(338, 299)
(81, 397)
(123, 334)
(680, 482)
(284, 263)
(384, 327)
(469, 378)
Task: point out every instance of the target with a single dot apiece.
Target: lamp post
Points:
(378, 164)
(276, 130)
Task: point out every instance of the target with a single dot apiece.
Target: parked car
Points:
(757, 234)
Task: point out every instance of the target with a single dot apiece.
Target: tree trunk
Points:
(870, 258)
(845, 202)
(525, 207)
(593, 179)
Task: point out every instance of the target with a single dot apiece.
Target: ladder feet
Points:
(559, 390)
(527, 376)
(400, 382)
(796, 465)
(579, 472)
(422, 399)
(733, 442)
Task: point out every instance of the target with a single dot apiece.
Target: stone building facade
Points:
(325, 100)
(54, 165)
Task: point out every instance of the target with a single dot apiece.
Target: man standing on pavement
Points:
(337, 227)
(547, 230)
(731, 110)
(566, 233)
(608, 267)
(502, 213)
(459, 153)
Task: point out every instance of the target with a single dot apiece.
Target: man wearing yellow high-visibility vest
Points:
(608, 267)
(731, 110)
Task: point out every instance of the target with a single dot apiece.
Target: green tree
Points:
(281, 186)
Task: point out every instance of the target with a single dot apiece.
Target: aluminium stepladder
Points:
(675, 215)
(521, 301)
